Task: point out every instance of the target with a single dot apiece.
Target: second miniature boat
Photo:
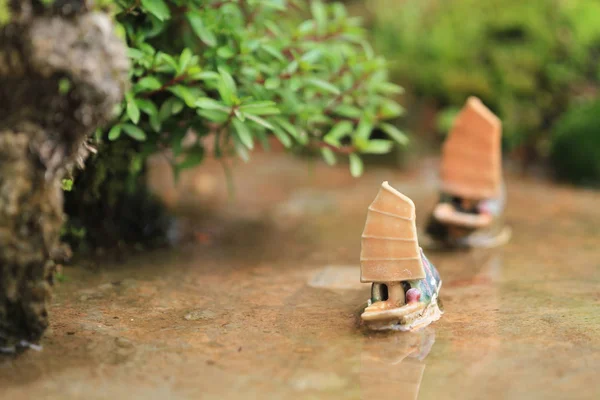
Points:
(405, 285)
(469, 212)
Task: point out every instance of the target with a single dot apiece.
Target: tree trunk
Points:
(61, 72)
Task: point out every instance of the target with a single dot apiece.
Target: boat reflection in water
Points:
(392, 367)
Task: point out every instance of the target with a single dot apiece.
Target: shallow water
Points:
(265, 302)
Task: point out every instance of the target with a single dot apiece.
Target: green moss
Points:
(109, 205)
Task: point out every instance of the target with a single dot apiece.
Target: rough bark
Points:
(61, 73)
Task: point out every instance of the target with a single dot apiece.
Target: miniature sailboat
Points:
(471, 156)
(472, 188)
(405, 285)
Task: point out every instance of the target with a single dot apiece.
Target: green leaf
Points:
(67, 185)
(200, 29)
(158, 8)
(319, 13)
(193, 72)
(377, 146)
(64, 86)
(241, 150)
(263, 139)
(394, 133)
(133, 112)
(348, 111)
(243, 133)
(389, 88)
(175, 140)
(146, 48)
(323, 85)
(291, 67)
(155, 122)
(328, 156)
(114, 132)
(261, 108)
(163, 58)
(241, 116)
(207, 103)
(134, 132)
(170, 107)
(273, 52)
(340, 130)
(311, 56)
(364, 129)
(147, 83)
(390, 109)
(282, 137)
(289, 128)
(213, 115)
(258, 104)
(367, 49)
(305, 27)
(265, 111)
(158, 27)
(208, 75)
(260, 121)
(227, 88)
(356, 165)
(225, 52)
(184, 93)
(147, 106)
(98, 133)
(272, 83)
(184, 59)
(134, 54)
(193, 157)
(295, 83)
(339, 11)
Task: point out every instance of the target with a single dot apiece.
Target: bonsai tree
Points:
(238, 70)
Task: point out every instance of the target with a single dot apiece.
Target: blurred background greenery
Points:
(534, 63)
(305, 73)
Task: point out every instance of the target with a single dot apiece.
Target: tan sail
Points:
(471, 156)
(389, 246)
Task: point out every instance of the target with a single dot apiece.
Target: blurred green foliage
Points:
(238, 71)
(242, 70)
(527, 60)
(575, 151)
(4, 12)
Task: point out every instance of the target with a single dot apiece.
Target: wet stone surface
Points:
(261, 304)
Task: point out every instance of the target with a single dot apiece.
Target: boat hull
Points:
(409, 317)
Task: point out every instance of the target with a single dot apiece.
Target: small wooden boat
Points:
(472, 191)
(405, 285)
